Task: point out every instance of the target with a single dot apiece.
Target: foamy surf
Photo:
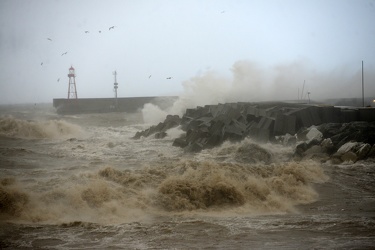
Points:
(117, 196)
(30, 129)
(106, 190)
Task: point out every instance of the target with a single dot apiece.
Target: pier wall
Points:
(103, 105)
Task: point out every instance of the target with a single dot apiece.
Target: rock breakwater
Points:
(278, 122)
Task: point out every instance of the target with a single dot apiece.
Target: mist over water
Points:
(251, 82)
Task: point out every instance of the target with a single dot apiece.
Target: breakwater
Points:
(105, 105)
(209, 126)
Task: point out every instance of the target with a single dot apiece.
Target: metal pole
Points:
(115, 87)
(363, 89)
(302, 90)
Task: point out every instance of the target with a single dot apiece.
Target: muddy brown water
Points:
(80, 182)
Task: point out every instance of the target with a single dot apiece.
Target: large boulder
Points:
(352, 151)
(159, 130)
(314, 134)
(343, 142)
(341, 133)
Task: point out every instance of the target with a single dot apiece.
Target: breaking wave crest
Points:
(258, 189)
(12, 201)
(54, 129)
(116, 196)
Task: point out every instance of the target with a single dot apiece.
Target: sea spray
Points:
(252, 82)
(29, 129)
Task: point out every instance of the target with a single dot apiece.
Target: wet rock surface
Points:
(314, 130)
(341, 142)
(159, 131)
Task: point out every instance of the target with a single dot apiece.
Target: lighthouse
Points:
(72, 88)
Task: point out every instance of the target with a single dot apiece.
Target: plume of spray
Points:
(247, 84)
(208, 88)
(153, 114)
(253, 83)
(212, 88)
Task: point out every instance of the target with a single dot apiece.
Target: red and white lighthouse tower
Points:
(72, 89)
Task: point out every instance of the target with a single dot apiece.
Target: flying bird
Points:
(149, 76)
(86, 31)
(49, 39)
(58, 79)
(169, 77)
(111, 27)
(64, 53)
(41, 63)
(100, 31)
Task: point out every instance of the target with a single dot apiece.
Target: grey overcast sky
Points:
(261, 49)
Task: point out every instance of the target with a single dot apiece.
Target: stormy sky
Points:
(216, 50)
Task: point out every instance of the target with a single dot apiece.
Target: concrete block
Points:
(262, 112)
(213, 141)
(239, 124)
(367, 114)
(233, 113)
(232, 132)
(305, 117)
(216, 128)
(190, 112)
(214, 110)
(263, 135)
(314, 134)
(285, 124)
(194, 135)
(205, 120)
(272, 111)
(250, 118)
(349, 115)
(252, 110)
(194, 147)
(330, 114)
(160, 135)
(266, 123)
(180, 142)
(315, 115)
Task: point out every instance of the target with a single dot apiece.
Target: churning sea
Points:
(82, 182)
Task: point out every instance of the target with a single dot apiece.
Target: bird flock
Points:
(66, 52)
(87, 32)
(99, 31)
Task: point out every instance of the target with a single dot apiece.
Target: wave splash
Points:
(255, 189)
(27, 129)
(111, 196)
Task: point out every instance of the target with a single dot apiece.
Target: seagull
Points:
(41, 63)
(111, 27)
(49, 39)
(100, 31)
(64, 53)
(86, 31)
(169, 77)
(58, 80)
(149, 77)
